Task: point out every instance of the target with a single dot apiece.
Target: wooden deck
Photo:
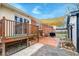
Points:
(8, 44)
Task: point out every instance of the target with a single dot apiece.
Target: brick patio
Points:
(49, 41)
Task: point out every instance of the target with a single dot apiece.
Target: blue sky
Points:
(45, 10)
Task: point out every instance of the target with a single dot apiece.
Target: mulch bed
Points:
(68, 45)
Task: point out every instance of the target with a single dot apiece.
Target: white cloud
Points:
(36, 10)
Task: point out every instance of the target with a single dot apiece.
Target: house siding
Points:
(73, 20)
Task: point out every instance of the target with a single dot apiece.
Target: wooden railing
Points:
(11, 28)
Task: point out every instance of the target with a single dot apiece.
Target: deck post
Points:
(3, 36)
(38, 33)
(3, 49)
(27, 42)
(3, 46)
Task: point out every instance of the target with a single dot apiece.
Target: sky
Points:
(45, 10)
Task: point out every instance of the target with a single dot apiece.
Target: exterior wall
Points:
(10, 15)
(73, 21)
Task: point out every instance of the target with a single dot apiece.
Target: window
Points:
(16, 18)
(21, 20)
(24, 20)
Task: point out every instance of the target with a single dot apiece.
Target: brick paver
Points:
(49, 41)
